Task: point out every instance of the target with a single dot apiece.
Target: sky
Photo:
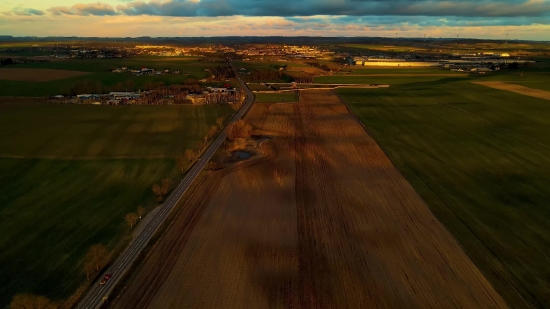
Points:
(491, 19)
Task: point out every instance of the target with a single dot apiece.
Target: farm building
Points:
(124, 95)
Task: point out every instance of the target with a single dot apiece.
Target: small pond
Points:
(241, 155)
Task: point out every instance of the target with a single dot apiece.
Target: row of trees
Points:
(192, 154)
(239, 129)
(177, 93)
(259, 75)
(132, 218)
(301, 78)
(222, 72)
(161, 189)
(190, 85)
(97, 257)
(333, 66)
(6, 61)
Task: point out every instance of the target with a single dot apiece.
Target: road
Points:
(96, 294)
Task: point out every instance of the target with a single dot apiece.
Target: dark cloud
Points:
(449, 21)
(364, 13)
(100, 9)
(26, 12)
(467, 8)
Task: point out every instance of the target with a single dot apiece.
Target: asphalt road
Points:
(97, 293)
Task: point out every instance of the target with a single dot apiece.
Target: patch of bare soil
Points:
(37, 75)
(323, 220)
(541, 94)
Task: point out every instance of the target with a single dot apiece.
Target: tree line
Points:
(301, 78)
(259, 75)
(6, 61)
(263, 75)
(222, 72)
(97, 87)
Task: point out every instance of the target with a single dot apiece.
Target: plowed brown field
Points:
(323, 221)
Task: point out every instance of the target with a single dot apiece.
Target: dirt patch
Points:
(37, 75)
(541, 94)
(323, 220)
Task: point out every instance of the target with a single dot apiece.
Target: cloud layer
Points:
(288, 8)
(472, 18)
(464, 8)
(98, 9)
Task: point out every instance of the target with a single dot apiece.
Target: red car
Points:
(106, 278)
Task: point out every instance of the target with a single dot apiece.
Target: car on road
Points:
(106, 278)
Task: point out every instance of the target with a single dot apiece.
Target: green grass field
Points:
(535, 77)
(538, 78)
(82, 131)
(69, 174)
(479, 158)
(394, 70)
(100, 69)
(184, 64)
(392, 80)
(277, 97)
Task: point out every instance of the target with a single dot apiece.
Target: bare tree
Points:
(212, 132)
(89, 268)
(166, 184)
(239, 129)
(131, 219)
(140, 211)
(190, 154)
(200, 146)
(98, 255)
(160, 190)
(182, 163)
(219, 122)
(157, 190)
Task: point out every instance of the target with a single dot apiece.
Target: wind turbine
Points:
(457, 39)
(506, 41)
(396, 38)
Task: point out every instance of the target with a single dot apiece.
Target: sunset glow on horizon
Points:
(490, 19)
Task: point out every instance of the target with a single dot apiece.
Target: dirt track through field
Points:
(541, 94)
(37, 75)
(324, 220)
